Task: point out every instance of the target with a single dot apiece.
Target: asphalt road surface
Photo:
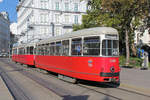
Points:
(19, 82)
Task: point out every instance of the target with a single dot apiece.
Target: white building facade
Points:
(13, 28)
(40, 19)
(4, 32)
(144, 38)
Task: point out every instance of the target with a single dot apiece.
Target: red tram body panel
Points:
(24, 59)
(87, 68)
(14, 58)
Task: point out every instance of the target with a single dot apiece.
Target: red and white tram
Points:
(88, 54)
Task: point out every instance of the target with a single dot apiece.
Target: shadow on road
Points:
(98, 84)
(80, 97)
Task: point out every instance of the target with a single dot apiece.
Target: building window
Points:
(44, 4)
(76, 7)
(66, 6)
(66, 18)
(44, 30)
(41, 30)
(57, 31)
(44, 18)
(32, 18)
(67, 30)
(76, 19)
(57, 18)
(57, 6)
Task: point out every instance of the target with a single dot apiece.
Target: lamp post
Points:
(52, 24)
(10, 50)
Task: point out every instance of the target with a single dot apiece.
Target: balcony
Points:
(67, 25)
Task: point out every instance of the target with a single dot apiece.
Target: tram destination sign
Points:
(111, 36)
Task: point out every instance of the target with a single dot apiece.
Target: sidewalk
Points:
(4, 92)
(136, 79)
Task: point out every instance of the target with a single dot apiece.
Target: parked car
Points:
(4, 55)
(1, 55)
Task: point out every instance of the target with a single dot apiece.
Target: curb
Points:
(136, 89)
(4, 92)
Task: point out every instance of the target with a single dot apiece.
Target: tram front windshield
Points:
(110, 48)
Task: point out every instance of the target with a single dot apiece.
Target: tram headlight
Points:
(112, 69)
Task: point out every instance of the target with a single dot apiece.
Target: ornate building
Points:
(40, 19)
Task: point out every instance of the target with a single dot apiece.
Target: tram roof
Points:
(83, 32)
(24, 45)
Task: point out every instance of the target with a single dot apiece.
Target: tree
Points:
(123, 15)
(129, 10)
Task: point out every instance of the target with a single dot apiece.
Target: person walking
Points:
(145, 64)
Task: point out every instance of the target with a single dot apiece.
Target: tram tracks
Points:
(120, 93)
(16, 92)
(56, 90)
(127, 90)
(96, 89)
(46, 84)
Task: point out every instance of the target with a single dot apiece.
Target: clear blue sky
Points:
(10, 7)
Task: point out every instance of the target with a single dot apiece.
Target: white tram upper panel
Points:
(97, 31)
(24, 45)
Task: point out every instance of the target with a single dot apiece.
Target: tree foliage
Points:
(124, 15)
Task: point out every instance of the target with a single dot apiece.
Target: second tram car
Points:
(88, 54)
(24, 54)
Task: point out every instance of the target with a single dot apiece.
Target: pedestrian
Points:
(145, 63)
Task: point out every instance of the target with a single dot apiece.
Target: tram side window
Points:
(34, 52)
(39, 50)
(28, 50)
(21, 51)
(65, 48)
(110, 48)
(24, 51)
(91, 46)
(58, 48)
(76, 46)
(31, 50)
(52, 48)
(14, 51)
(42, 49)
(46, 49)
